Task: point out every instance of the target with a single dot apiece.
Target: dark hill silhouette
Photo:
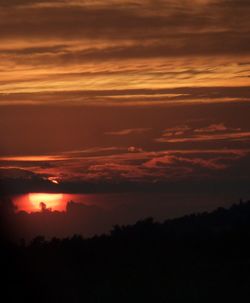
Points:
(197, 258)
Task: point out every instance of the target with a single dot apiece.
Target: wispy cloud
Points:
(100, 172)
(128, 131)
(128, 77)
(62, 46)
(212, 133)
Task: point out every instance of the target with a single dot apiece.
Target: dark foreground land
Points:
(197, 258)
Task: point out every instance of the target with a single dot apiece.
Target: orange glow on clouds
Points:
(52, 201)
(32, 158)
(53, 180)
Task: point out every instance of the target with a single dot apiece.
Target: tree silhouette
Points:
(196, 258)
(44, 208)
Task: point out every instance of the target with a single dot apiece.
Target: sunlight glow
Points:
(51, 200)
(53, 180)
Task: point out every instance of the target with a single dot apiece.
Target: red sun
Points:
(52, 201)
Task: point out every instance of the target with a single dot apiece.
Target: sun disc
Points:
(51, 200)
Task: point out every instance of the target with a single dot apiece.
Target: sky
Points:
(110, 96)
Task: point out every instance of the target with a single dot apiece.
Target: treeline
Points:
(196, 258)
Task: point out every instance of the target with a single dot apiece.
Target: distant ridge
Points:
(201, 257)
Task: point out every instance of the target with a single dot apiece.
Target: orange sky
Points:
(119, 92)
(58, 46)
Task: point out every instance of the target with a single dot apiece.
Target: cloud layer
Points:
(121, 96)
(58, 46)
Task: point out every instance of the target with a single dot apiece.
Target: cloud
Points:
(128, 131)
(15, 173)
(213, 128)
(168, 161)
(214, 133)
(243, 136)
(16, 3)
(70, 45)
(161, 62)
(131, 97)
(133, 149)
(121, 172)
(16, 181)
(176, 131)
(108, 19)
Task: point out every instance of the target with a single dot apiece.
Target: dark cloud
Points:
(16, 180)
(187, 45)
(17, 3)
(211, 30)
(204, 44)
(88, 97)
(75, 34)
(32, 50)
(126, 172)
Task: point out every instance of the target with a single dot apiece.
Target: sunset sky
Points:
(122, 96)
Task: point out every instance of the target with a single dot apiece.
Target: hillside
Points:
(196, 258)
